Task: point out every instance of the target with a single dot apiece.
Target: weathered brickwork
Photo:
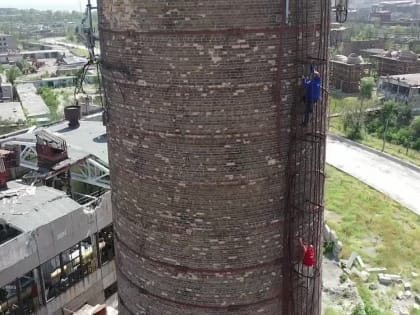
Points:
(392, 66)
(346, 77)
(200, 97)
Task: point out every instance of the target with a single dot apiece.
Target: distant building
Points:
(346, 72)
(6, 92)
(13, 57)
(32, 103)
(338, 34)
(380, 15)
(356, 46)
(7, 43)
(403, 87)
(370, 52)
(397, 62)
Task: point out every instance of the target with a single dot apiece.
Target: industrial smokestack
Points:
(3, 174)
(215, 183)
(72, 114)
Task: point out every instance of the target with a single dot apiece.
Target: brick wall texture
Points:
(346, 77)
(392, 66)
(200, 97)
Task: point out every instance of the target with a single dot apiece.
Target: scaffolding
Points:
(306, 169)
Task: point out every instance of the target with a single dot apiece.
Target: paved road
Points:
(397, 181)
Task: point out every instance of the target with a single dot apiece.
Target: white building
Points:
(402, 87)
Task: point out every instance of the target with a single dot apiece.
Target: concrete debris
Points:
(351, 260)
(373, 286)
(360, 262)
(389, 278)
(384, 279)
(414, 274)
(376, 270)
(417, 299)
(404, 311)
(407, 286)
(395, 278)
(333, 236)
(407, 294)
(327, 233)
(401, 295)
(338, 247)
(363, 275)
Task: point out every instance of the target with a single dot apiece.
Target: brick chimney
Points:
(3, 174)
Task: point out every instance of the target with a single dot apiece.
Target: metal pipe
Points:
(287, 11)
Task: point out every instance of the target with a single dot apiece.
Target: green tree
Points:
(388, 118)
(352, 117)
(24, 66)
(12, 74)
(354, 113)
(366, 88)
(51, 100)
(415, 133)
(406, 138)
(359, 310)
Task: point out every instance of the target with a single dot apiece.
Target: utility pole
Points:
(385, 131)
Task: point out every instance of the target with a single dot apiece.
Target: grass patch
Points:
(413, 156)
(414, 311)
(332, 311)
(385, 233)
(338, 102)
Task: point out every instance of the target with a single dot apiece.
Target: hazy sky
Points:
(45, 4)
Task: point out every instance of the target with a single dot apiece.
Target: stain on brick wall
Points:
(200, 96)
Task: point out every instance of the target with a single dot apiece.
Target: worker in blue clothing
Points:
(312, 87)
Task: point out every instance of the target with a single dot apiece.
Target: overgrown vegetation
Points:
(353, 116)
(387, 126)
(12, 74)
(51, 100)
(395, 123)
(414, 311)
(363, 31)
(369, 308)
(385, 233)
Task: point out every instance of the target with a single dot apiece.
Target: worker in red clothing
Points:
(312, 87)
(309, 258)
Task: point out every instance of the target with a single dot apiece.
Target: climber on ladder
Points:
(312, 87)
(308, 253)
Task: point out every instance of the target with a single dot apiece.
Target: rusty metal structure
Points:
(215, 183)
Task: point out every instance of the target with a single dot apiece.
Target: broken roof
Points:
(27, 208)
